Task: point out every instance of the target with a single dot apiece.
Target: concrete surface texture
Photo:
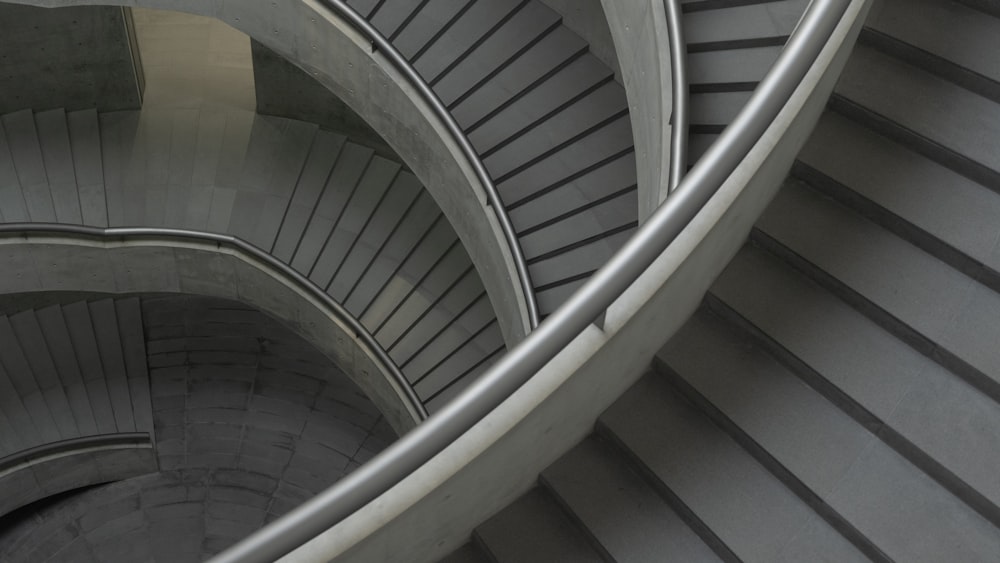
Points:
(249, 420)
(285, 90)
(358, 225)
(190, 61)
(75, 58)
(836, 396)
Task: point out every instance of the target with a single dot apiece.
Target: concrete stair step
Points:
(549, 75)
(82, 333)
(938, 118)
(105, 322)
(743, 21)
(85, 144)
(29, 165)
(322, 156)
(57, 154)
(399, 200)
(57, 336)
(722, 490)
(857, 482)
(371, 188)
(624, 515)
(934, 307)
(13, 208)
(31, 352)
(347, 172)
(534, 529)
(31, 393)
(901, 190)
(431, 20)
(527, 24)
(462, 35)
(468, 553)
(912, 31)
(935, 419)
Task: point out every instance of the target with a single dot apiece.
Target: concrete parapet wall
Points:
(73, 58)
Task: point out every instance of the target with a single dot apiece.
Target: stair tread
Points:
(426, 24)
(623, 513)
(458, 363)
(12, 205)
(533, 529)
(915, 188)
(541, 79)
(920, 23)
(718, 481)
(315, 172)
(419, 221)
(433, 282)
(53, 139)
(940, 303)
(421, 253)
(899, 387)
(944, 113)
(527, 24)
(392, 14)
(81, 329)
(824, 448)
(597, 106)
(370, 189)
(22, 141)
(765, 19)
(85, 141)
(401, 195)
(465, 554)
(41, 367)
(57, 336)
(461, 36)
(731, 65)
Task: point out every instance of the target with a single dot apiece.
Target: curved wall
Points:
(342, 60)
(250, 421)
(58, 264)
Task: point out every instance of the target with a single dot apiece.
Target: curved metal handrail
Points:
(283, 270)
(71, 445)
(380, 43)
(589, 302)
(681, 95)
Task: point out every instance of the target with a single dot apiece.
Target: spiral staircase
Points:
(833, 397)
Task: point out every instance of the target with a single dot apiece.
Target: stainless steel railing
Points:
(277, 267)
(681, 95)
(341, 9)
(588, 303)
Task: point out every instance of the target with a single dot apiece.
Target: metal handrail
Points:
(376, 352)
(380, 43)
(428, 439)
(71, 445)
(681, 95)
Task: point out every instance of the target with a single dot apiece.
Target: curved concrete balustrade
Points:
(433, 511)
(333, 53)
(47, 263)
(642, 43)
(250, 420)
(545, 115)
(357, 225)
(730, 46)
(57, 467)
(74, 389)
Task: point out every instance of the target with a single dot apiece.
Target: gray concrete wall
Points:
(251, 421)
(73, 58)
(434, 510)
(586, 18)
(285, 90)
